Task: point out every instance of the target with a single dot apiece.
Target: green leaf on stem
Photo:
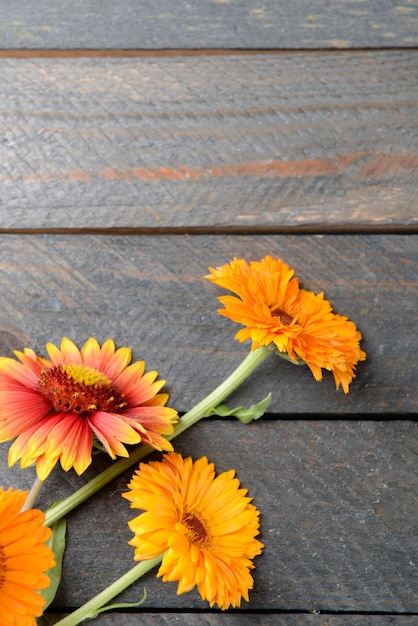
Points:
(57, 544)
(120, 605)
(245, 416)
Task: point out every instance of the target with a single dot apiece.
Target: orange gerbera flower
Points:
(24, 558)
(300, 324)
(204, 525)
(58, 408)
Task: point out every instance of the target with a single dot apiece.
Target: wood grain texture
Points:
(338, 502)
(313, 141)
(148, 292)
(208, 24)
(258, 619)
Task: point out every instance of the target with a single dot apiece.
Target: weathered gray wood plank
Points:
(277, 141)
(338, 502)
(256, 619)
(148, 292)
(208, 24)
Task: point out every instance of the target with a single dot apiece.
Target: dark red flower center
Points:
(80, 389)
(284, 317)
(197, 532)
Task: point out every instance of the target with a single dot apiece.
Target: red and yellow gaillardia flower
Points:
(24, 559)
(276, 311)
(57, 408)
(205, 525)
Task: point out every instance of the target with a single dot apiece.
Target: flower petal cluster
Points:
(24, 559)
(57, 408)
(275, 310)
(204, 524)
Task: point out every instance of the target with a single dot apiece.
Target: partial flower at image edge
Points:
(57, 409)
(24, 560)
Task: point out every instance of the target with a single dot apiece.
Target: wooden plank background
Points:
(174, 619)
(146, 24)
(217, 619)
(345, 543)
(141, 142)
(148, 292)
(275, 142)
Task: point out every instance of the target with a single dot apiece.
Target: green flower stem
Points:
(33, 494)
(200, 410)
(90, 609)
(234, 380)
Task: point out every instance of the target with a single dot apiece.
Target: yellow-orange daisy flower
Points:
(275, 310)
(24, 559)
(58, 408)
(205, 526)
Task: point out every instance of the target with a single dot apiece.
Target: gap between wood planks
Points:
(184, 52)
(314, 229)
